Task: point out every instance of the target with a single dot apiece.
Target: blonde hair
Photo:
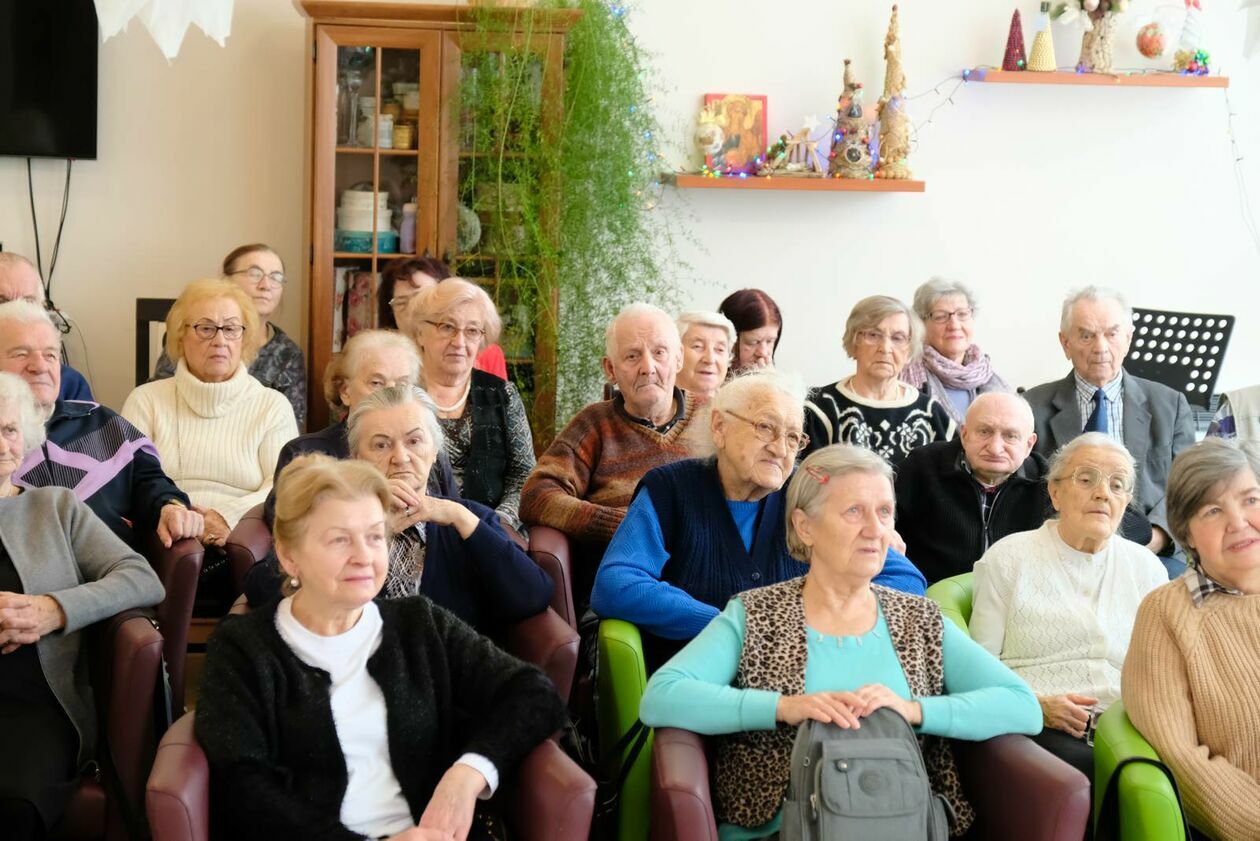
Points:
(344, 365)
(200, 291)
(16, 393)
(437, 301)
(310, 479)
(808, 489)
(869, 312)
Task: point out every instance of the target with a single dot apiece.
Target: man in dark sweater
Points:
(956, 498)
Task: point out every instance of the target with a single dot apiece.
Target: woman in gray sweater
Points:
(61, 569)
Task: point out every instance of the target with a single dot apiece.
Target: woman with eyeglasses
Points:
(1057, 605)
(872, 408)
(404, 279)
(279, 364)
(951, 368)
(699, 531)
(487, 434)
(217, 429)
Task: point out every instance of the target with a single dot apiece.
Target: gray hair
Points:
(9, 261)
(638, 309)
(24, 312)
(345, 365)
(392, 398)
(1063, 456)
(1093, 293)
(926, 296)
(699, 318)
(1197, 476)
(808, 489)
(739, 393)
(16, 394)
(869, 312)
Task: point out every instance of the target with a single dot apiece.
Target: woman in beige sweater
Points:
(217, 429)
(1191, 682)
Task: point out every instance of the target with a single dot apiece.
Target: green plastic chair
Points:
(1147, 801)
(1148, 809)
(954, 595)
(621, 678)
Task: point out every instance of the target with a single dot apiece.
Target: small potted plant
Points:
(1099, 19)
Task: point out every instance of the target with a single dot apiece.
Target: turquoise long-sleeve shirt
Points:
(629, 582)
(982, 699)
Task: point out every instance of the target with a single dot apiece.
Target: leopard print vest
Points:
(753, 766)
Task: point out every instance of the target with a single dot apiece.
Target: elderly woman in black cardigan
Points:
(61, 569)
(332, 715)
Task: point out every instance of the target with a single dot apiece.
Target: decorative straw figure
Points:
(894, 122)
(850, 142)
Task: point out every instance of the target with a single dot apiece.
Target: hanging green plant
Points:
(565, 199)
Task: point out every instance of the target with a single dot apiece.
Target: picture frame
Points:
(742, 118)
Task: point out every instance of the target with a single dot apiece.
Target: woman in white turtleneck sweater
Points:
(217, 429)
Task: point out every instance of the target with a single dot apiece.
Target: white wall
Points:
(1031, 190)
(195, 157)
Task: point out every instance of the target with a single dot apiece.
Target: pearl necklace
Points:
(454, 407)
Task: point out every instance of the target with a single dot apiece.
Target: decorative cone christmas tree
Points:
(1042, 58)
(894, 123)
(850, 143)
(1014, 58)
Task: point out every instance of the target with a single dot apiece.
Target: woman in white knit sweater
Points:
(217, 429)
(1057, 604)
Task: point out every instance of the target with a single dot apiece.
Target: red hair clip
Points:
(819, 476)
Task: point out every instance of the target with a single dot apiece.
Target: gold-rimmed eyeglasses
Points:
(768, 432)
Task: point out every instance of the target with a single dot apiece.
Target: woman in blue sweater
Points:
(452, 550)
(833, 647)
(699, 531)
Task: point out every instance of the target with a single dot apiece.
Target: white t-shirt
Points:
(1059, 618)
(373, 804)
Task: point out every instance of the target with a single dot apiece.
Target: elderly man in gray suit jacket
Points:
(1152, 421)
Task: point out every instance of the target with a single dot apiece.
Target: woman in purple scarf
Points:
(951, 368)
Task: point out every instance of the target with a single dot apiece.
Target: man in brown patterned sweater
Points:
(583, 483)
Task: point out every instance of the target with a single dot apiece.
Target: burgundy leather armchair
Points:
(1018, 789)
(179, 568)
(249, 543)
(124, 661)
(549, 643)
(550, 798)
(550, 550)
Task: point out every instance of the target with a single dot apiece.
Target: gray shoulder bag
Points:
(868, 784)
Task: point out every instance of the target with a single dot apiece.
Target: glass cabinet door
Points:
(375, 162)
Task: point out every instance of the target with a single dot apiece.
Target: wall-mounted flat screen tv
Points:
(48, 78)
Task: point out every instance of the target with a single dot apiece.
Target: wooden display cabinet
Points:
(407, 61)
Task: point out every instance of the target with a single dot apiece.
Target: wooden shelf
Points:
(790, 182)
(1168, 79)
(368, 255)
(368, 150)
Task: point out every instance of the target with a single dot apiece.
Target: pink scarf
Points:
(975, 374)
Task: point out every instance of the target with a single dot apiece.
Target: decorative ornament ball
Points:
(1090, 5)
(1151, 40)
(709, 138)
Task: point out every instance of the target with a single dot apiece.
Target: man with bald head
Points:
(19, 281)
(583, 483)
(956, 498)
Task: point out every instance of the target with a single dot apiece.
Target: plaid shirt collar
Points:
(1201, 585)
